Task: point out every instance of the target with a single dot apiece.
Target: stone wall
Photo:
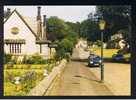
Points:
(43, 86)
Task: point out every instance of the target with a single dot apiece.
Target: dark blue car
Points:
(117, 57)
(94, 60)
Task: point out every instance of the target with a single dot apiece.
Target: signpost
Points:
(102, 27)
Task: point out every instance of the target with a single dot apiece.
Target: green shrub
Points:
(34, 59)
(7, 58)
(10, 65)
(21, 93)
(111, 44)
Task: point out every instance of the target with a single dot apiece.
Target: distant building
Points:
(25, 35)
(117, 36)
(121, 42)
(80, 51)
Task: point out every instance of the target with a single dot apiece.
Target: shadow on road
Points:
(97, 85)
(105, 60)
(88, 78)
(92, 66)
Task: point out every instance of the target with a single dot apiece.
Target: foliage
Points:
(35, 59)
(116, 17)
(74, 27)
(64, 34)
(66, 45)
(89, 29)
(7, 58)
(98, 43)
(28, 79)
(112, 44)
(124, 51)
(30, 76)
(126, 35)
(57, 28)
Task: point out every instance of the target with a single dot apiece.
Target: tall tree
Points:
(57, 28)
(116, 17)
(89, 29)
(74, 27)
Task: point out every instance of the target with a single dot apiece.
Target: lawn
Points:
(107, 53)
(10, 89)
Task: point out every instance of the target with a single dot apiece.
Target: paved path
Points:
(117, 77)
(77, 79)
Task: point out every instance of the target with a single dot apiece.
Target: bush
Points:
(98, 43)
(124, 51)
(60, 54)
(10, 65)
(7, 58)
(67, 56)
(111, 44)
(35, 59)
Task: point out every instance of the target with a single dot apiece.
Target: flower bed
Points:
(28, 77)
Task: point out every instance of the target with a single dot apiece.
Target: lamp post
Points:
(102, 27)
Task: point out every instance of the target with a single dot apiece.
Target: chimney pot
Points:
(44, 27)
(39, 24)
(39, 13)
(44, 20)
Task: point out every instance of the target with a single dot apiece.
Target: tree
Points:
(116, 17)
(89, 29)
(64, 34)
(74, 27)
(57, 28)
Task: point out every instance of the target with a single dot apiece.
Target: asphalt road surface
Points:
(79, 80)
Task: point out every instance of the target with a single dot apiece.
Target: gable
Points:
(15, 19)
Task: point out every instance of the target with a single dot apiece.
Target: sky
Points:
(67, 13)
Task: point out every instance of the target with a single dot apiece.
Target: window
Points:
(14, 30)
(15, 48)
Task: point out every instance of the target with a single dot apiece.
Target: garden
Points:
(20, 78)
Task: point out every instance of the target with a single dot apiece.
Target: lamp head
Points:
(102, 24)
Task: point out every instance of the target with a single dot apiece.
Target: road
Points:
(80, 80)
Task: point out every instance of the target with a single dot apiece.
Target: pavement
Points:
(117, 77)
(80, 80)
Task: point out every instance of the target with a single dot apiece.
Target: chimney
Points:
(39, 13)
(39, 23)
(44, 27)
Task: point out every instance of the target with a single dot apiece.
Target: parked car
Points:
(117, 57)
(94, 60)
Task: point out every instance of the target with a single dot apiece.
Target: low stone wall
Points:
(43, 86)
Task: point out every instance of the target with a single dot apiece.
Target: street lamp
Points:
(102, 24)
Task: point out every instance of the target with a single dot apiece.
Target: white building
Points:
(25, 36)
(80, 51)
